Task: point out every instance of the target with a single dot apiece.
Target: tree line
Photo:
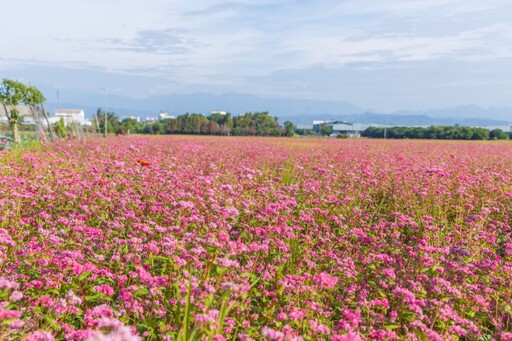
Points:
(248, 124)
(436, 132)
(14, 93)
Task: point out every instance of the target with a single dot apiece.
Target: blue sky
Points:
(386, 55)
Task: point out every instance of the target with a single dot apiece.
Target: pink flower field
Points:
(190, 238)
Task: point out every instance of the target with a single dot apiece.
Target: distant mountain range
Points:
(405, 120)
(296, 110)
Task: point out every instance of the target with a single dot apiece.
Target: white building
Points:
(166, 115)
(70, 116)
(220, 112)
(337, 127)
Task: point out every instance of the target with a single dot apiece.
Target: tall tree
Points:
(498, 134)
(289, 128)
(11, 94)
(325, 129)
(228, 124)
(213, 127)
(34, 99)
(60, 128)
(113, 122)
(130, 125)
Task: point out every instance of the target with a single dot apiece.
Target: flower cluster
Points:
(243, 238)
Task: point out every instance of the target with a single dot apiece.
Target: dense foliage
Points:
(262, 124)
(14, 93)
(248, 124)
(252, 239)
(436, 133)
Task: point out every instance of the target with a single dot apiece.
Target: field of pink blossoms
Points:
(256, 239)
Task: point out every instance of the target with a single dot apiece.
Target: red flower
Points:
(143, 163)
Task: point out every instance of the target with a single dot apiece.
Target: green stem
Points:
(186, 318)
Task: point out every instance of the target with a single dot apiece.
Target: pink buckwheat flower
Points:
(40, 336)
(272, 334)
(105, 289)
(15, 296)
(325, 281)
(123, 333)
(72, 298)
(6, 284)
(351, 336)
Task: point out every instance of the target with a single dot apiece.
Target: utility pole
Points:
(97, 124)
(354, 126)
(106, 110)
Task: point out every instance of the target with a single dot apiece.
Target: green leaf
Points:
(486, 337)
(141, 291)
(51, 321)
(97, 296)
(103, 280)
(391, 326)
(83, 276)
(421, 334)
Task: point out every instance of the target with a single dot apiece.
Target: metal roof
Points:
(22, 109)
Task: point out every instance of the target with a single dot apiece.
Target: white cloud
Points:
(204, 43)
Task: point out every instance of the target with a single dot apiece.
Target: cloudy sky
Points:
(382, 54)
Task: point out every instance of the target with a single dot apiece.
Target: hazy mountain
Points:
(206, 103)
(403, 120)
(296, 110)
(466, 111)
